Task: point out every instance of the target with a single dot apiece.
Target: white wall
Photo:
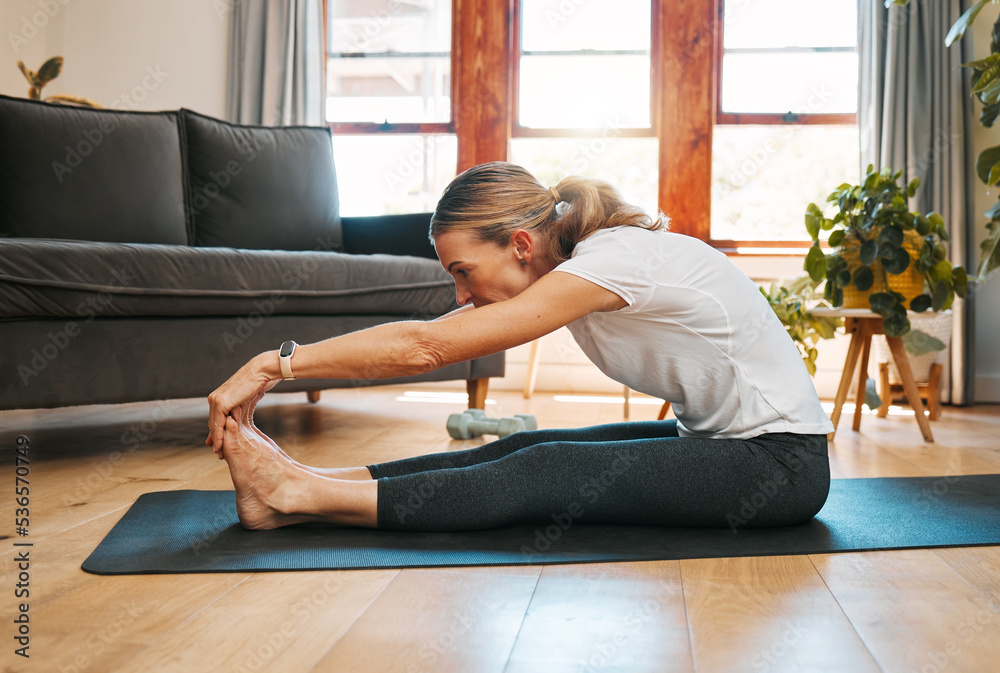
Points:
(987, 301)
(135, 55)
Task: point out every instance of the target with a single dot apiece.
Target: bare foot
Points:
(267, 484)
(351, 473)
(272, 491)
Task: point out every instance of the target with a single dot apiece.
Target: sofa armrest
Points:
(388, 234)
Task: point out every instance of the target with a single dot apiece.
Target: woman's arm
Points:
(411, 347)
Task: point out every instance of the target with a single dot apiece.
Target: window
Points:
(786, 119)
(389, 103)
(731, 115)
(581, 93)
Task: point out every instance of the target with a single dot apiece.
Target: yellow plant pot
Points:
(910, 283)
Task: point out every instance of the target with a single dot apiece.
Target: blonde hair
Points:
(496, 199)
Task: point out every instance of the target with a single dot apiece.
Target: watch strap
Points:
(285, 360)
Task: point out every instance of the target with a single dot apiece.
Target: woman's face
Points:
(484, 272)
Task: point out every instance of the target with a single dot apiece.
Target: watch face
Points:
(286, 349)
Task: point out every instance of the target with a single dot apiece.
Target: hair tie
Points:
(555, 194)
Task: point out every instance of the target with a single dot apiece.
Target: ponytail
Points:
(590, 205)
(496, 199)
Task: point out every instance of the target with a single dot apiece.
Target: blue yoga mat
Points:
(198, 532)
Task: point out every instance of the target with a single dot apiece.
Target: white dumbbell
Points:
(473, 423)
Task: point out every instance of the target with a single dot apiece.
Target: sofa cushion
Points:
(91, 175)
(71, 279)
(261, 187)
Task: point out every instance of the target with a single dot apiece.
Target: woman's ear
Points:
(523, 244)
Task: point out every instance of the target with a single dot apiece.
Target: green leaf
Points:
(887, 250)
(987, 74)
(920, 303)
(919, 343)
(990, 94)
(881, 301)
(960, 281)
(940, 272)
(985, 162)
(869, 251)
(863, 278)
(50, 69)
(988, 115)
(895, 325)
(871, 396)
(816, 263)
(939, 297)
(814, 220)
(837, 237)
(993, 213)
(959, 27)
(24, 71)
(892, 235)
(990, 250)
(898, 263)
(924, 225)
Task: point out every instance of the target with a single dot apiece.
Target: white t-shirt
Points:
(696, 332)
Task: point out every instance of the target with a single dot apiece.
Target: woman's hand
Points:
(253, 379)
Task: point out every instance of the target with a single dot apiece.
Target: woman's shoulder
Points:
(637, 239)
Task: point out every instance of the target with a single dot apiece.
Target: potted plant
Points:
(883, 257)
(48, 72)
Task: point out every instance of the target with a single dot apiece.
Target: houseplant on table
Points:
(883, 257)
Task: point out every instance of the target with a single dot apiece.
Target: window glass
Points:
(789, 56)
(763, 177)
(584, 64)
(809, 83)
(572, 25)
(630, 164)
(768, 24)
(389, 61)
(393, 173)
(584, 91)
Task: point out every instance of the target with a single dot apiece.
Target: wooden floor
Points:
(919, 610)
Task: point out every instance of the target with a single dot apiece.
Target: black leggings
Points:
(628, 473)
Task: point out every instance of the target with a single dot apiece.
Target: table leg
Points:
(845, 378)
(909, 385)
(866, 345)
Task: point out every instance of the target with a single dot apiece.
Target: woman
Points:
(663, 313)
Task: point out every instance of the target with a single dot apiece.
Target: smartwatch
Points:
(285, 359)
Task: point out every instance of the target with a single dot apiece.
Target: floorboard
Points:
(915, 610)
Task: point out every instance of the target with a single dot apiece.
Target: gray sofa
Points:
(148, 255)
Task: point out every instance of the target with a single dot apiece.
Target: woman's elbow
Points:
(422, 354)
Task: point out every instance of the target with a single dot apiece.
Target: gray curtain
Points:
(913, 111)
(276, 57)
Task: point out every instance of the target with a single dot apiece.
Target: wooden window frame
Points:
(685, 79)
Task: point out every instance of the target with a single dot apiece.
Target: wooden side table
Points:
(862, 324)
